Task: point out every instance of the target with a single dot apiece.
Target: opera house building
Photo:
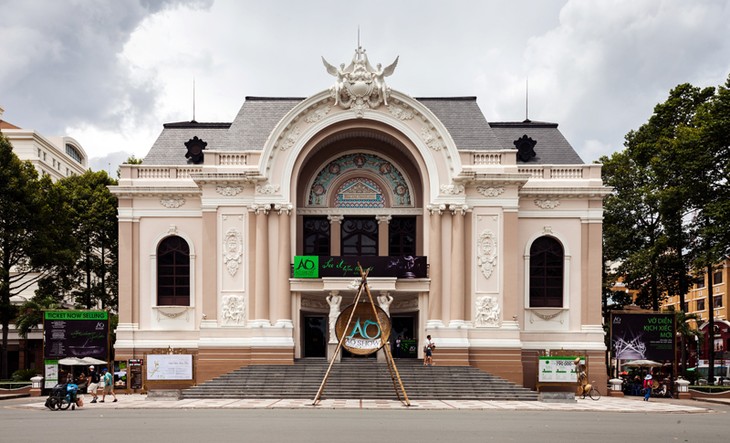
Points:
(240, 242)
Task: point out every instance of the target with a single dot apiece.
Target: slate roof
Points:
(551, 148)
(460, 115)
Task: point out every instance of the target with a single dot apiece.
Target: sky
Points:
(110, 73)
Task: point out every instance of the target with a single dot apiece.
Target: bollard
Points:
(616, 387)
(36, 386)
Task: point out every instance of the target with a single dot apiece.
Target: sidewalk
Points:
(606, 404)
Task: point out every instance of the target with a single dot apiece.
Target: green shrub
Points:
(24, 374)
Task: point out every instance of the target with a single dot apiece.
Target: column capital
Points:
(383, 218)
(258, 208)
(459, 209)
(335, 218)
(283, 208)
(436, 209)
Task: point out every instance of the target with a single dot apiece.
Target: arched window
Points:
(173, 272)
(546, 273)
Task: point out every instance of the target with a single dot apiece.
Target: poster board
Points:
(71, 333)
(558, 369)
(643, 336)
(169, 367)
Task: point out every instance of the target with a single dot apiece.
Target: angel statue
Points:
(341, 74)
(379, 75)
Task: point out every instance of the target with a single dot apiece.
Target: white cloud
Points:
(110, 73)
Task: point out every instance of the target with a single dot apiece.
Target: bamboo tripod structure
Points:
(392, 369)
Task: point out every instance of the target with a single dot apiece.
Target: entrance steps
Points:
(360, 378)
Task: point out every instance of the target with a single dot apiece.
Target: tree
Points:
(28, 240)
(93, 217)
(681, 158)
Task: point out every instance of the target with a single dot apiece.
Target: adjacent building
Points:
(485, 235)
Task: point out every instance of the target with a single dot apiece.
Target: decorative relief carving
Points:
(487, 312)
(232, 250)
(411, 303)
(172, 230)
(489, 191)
(317, 114)
(546, 316)
(233, 310)
(400, 112)
(172, 312)
(267, 189)
(228, 191)
(547, 204)
(173, 202)
(290, 139)
(313, 304)
(452, 189)
(547, 229)
(487, 252)
(432, 140)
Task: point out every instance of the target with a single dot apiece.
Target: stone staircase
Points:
(359, 378)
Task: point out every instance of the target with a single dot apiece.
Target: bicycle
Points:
(591, 391)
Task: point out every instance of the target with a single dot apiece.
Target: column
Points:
(383, 222)
(209, 249)
(435, 271)
(457, 266)
(335, 234)
(284, 314)
(261, 306)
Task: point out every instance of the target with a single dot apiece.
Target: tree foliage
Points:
(669, 215)
(29, 237)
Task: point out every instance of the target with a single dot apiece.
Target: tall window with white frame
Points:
(546, 273)
(173, 272)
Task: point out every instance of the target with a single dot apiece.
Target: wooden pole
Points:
(339, 343)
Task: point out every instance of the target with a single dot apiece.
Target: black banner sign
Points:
(407, 266)
(643, 336)
(75, 334)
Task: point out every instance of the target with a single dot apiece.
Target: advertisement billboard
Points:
(75, 334)
(642, 336)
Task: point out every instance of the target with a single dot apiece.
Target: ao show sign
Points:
(643, 336)
(368, 329)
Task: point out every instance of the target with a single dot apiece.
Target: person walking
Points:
(428, 348)
(93, 386)
(108, 385)
(648, 380)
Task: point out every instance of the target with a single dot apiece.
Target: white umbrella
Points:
(643, 364)
(75, 361)
(92, 361)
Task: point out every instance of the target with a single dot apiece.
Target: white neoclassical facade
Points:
(487, 236)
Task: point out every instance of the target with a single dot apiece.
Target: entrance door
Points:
(404, 326)
(315, 336)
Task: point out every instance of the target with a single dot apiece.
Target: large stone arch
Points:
(405, 119)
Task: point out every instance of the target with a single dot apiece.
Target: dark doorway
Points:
(315, 336)
(404, 326)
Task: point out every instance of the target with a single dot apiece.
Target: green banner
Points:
(306, 266)
(76, 315)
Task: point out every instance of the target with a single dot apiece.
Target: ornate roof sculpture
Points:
(359, 85)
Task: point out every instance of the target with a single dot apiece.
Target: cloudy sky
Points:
(110, 72)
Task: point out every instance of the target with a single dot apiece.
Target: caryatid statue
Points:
(334, 300)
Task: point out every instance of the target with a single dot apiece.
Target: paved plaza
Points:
(607, 404)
